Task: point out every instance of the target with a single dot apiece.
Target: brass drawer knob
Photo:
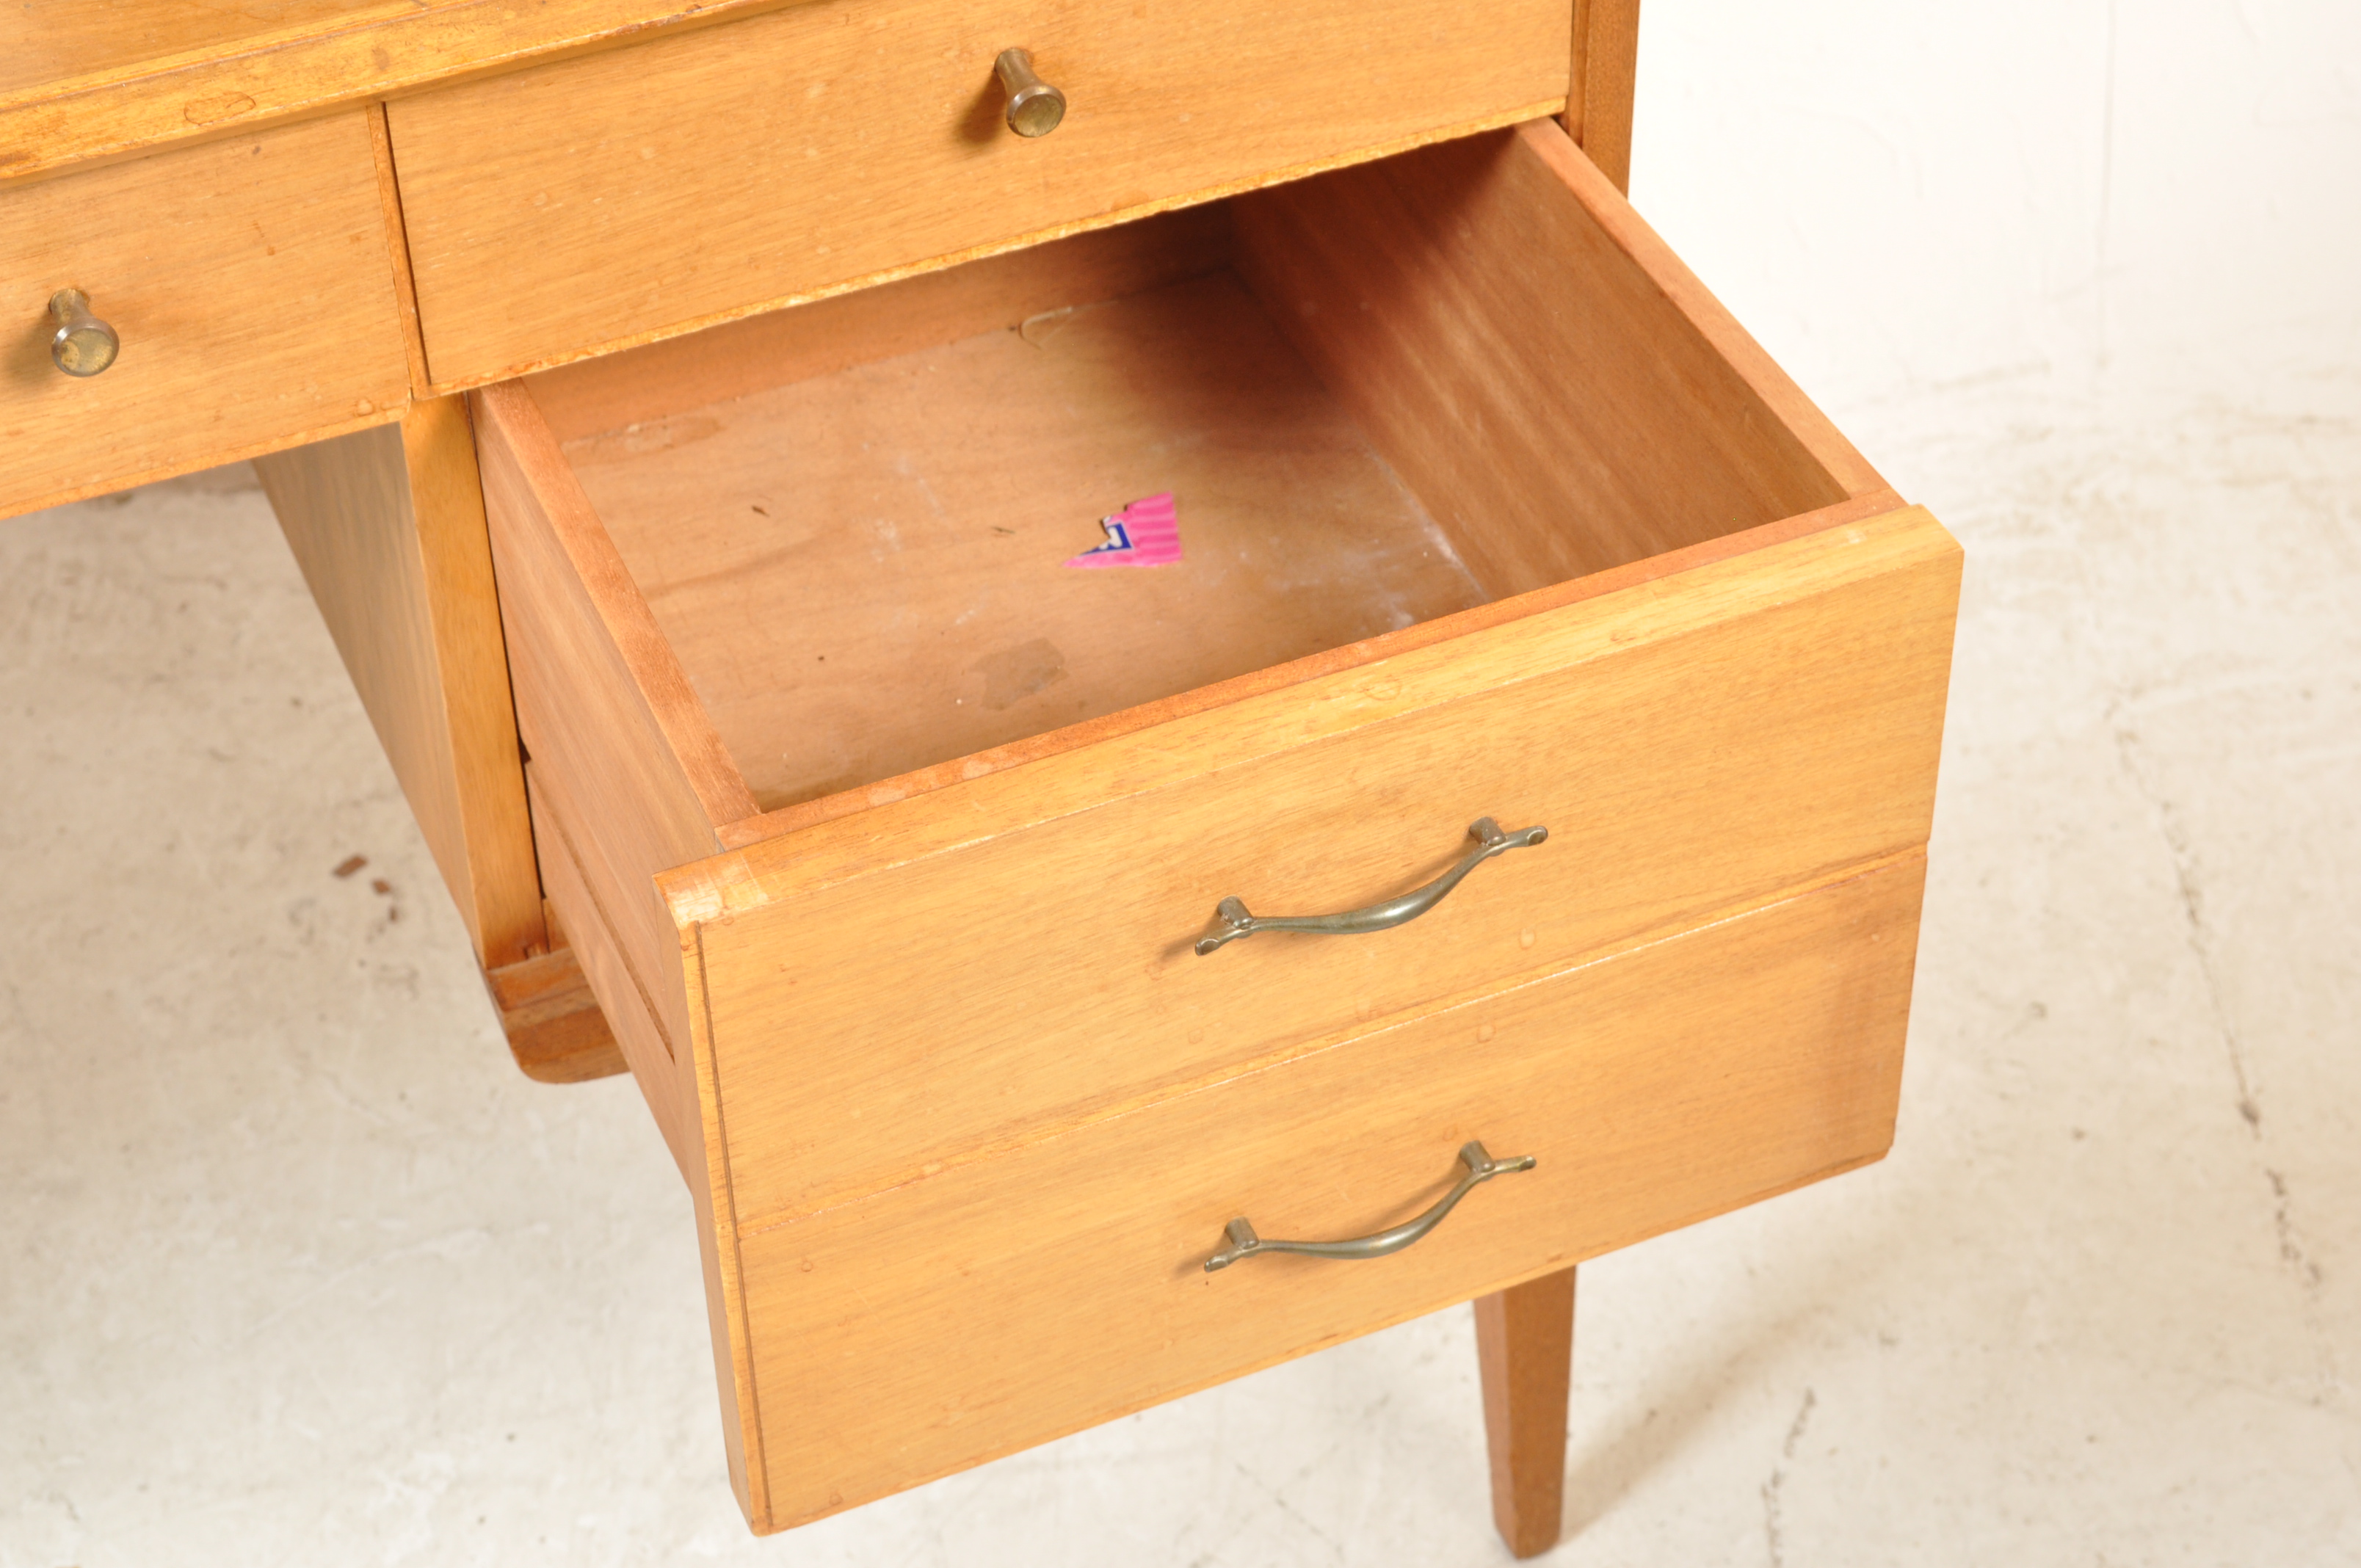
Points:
(83, 345)
(1034, 106)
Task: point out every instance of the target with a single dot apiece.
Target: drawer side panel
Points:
(623, 771)
(642, 1000)
(1533, 360)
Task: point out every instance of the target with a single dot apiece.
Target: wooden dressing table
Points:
(1061, 988)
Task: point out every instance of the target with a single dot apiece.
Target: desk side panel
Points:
(388, 525)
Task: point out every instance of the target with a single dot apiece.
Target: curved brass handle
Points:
(1481, 1167)
(1034, 106)
(83, 345)
(1231, 920)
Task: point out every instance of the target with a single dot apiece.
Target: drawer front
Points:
(250, 283)
(893, 991)
(649, 189)
(1004, 1302)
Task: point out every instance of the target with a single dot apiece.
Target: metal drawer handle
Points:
(83, 345)
(1481, 1167)
(1231, 920)
(1034, 106)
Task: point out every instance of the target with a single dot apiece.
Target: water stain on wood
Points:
(1015, 673)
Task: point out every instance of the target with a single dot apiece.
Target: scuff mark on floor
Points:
(2192, 890)
(1774, 1533)
(2292, 1250)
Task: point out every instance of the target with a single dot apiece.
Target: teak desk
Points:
(684, 415)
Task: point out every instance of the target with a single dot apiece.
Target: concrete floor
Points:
(298, 1270)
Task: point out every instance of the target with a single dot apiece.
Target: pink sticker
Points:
(1145, 534)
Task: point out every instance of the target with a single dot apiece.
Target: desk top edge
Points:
(151, 87)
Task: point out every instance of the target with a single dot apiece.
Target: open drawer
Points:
(887, 833)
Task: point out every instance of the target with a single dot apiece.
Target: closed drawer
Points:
(581, 204)
(1007, 1301)
(251, 286)
(884, 831)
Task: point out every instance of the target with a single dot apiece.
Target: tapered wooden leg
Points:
(1524, 1343)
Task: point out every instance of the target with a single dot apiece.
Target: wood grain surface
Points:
(862, 573)
(1655, 1089)
(636, 990)
(554, 557)
(1445, 364)
(660, 379)
(77, 88)
(83, 84)
(627, 775)
(388, 525)
(1653, 728)
(1628, 232)
(555, 1029)
(50, 45)
(251, 283)
(1599, 97)
(580, 206)
(1566, 397)
(1524, 1354)
(946, 1048)
(397, 232)
(846, 546)
(1693, 746)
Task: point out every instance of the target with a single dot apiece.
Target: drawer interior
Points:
(1378, 397)
(862, 570)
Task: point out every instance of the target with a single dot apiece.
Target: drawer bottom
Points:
(1002, 1302)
